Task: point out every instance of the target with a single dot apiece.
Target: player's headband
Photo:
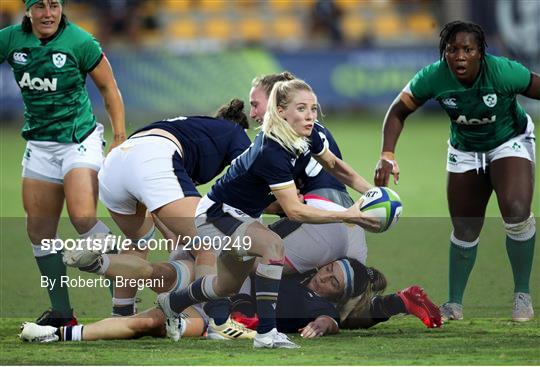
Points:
(348, 276)
(28, 3)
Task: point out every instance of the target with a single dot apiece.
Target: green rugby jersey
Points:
(484, 115)
(52, 76)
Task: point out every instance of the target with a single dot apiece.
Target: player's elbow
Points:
(295, 213)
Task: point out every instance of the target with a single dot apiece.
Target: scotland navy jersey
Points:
(208, 144)
(264, 167)
(311, 175)
(297, 305)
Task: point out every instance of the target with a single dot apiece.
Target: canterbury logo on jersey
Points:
(450, 102)
(20, 58)
(233, 333)
(464, 121)
(45, 84)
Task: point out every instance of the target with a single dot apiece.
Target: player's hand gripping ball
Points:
(384, 204)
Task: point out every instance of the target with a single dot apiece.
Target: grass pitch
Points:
(414, 252)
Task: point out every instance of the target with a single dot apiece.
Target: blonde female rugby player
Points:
(264, 173)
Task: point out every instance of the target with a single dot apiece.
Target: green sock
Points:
(461, 263)
(53, 268)
(521, 255)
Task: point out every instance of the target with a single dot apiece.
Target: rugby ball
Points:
(384, 204)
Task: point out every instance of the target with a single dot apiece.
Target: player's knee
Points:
(40, 229)
(465, 235)
(521, 231)
(464, 243)
(516, 211)
(144, 325)
(274, 250)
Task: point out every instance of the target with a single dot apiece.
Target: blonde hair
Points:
(274, 126)
(355, 311)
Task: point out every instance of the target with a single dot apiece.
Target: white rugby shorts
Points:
(314, 245)
(51, 161)
(147, 169)
(522, 146)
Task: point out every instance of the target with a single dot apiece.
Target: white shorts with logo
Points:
(51, 161)
(225, 222)
(147, 169)
(522, 146)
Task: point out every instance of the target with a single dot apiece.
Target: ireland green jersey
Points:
(484, 115)
(51, 75)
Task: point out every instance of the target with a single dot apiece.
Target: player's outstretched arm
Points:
(343, 172)
(323, 325)
(394, 121)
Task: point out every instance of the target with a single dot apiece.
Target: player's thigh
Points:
(43, 202)
(178, 216)
(513, 181)
(81, 191)
(134, 226)
(264, 242)
(468, 195)
(232, 271)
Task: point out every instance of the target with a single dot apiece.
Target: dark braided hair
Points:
(234, 111)
(449, 31)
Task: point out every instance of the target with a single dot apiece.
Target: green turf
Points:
(415, 251)
(482, 341)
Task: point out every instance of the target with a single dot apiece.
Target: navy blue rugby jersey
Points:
(264, 167)
(311, 175)
(297, 305)
(208, 144)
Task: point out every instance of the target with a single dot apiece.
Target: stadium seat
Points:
(354, 27)
(388, 26)
(218, 28)
(252, 29)
(280, 6)
(212, 6)
(11, 6)
(177, 6)
(185, 28)
(88, 24)
(421, 24)
(287, 28)
(349, 5)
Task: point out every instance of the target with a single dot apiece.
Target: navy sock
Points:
(267, 281)
(199, 291)
(219, 310)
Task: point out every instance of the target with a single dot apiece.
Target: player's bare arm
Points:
(394, 121)
(343, 172)
(534, 89)
(104, 79)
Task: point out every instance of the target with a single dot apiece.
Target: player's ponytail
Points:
(266, 82)
(274, 126)
(233, 111)
(368, 282)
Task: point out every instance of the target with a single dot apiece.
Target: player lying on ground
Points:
(306, 304)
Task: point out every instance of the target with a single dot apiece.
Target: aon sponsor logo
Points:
(45, 84)
(464, 121)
